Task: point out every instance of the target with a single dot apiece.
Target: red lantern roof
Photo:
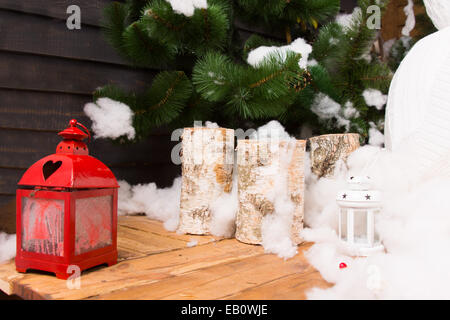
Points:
(71, 166)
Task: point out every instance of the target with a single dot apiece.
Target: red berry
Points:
(342, 265)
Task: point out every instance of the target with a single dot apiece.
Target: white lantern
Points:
(358, 206)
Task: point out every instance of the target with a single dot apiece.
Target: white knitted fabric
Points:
(439, 12)
(418, 109)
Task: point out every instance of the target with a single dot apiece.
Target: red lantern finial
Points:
(73, 123)
(73, 139)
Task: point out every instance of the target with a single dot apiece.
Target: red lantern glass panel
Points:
(43, 226)
(93, 226)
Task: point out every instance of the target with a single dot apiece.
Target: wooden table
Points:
(158, 264)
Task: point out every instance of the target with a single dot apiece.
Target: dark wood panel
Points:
(41, 35)
(4, 200)
(91, 10)
(41, 110)
(8, 180)
(45, 111)
(252, 28)
(31, 72)
(20, 149)
(8, 213)
(162, 174)
(348, 5)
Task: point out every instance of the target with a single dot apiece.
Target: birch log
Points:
(259, 166)
(327, 149)
(207, 168)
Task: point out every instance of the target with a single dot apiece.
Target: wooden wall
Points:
(47, 74)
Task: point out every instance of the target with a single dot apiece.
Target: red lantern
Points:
(67, 210)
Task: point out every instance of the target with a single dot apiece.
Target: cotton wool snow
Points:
(7, 246)
(271, 190)
(258, 55)
(413, 226)
(162, 204)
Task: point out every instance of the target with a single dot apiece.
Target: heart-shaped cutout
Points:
(50, 168)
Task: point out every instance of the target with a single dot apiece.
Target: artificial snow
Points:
(387, 46)
(271, 130)
(375, 98)
(350, 111)
(223, 212)
(162, 204)
(346, 20)
(312, 63)
(326, 108)
(7, 246)
(258, 55)
(110, 119)
(187, 7)
(211, 125)
(192, 243)
(410, 18)
(414, 227)
(376, 138)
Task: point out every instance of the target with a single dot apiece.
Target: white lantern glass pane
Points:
(360, 227)
(343, 214)
(376, 235)
(93, 223)
(43, 226)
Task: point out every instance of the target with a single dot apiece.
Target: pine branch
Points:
(252, 93)
(114, 24)
(144, 50)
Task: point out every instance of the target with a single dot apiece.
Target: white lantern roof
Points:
(359, 194)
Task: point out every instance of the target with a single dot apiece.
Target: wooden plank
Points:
(155, 227)
(212, 270)
(291, 287)
(5, 199)
(41, 110)
(8, 214)
(91, 10)
(51, 74)
(146, 243)
(204, 283)
(46, 111)
(21, 148)
(8, 180)
(41, 35)
(126, 273)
